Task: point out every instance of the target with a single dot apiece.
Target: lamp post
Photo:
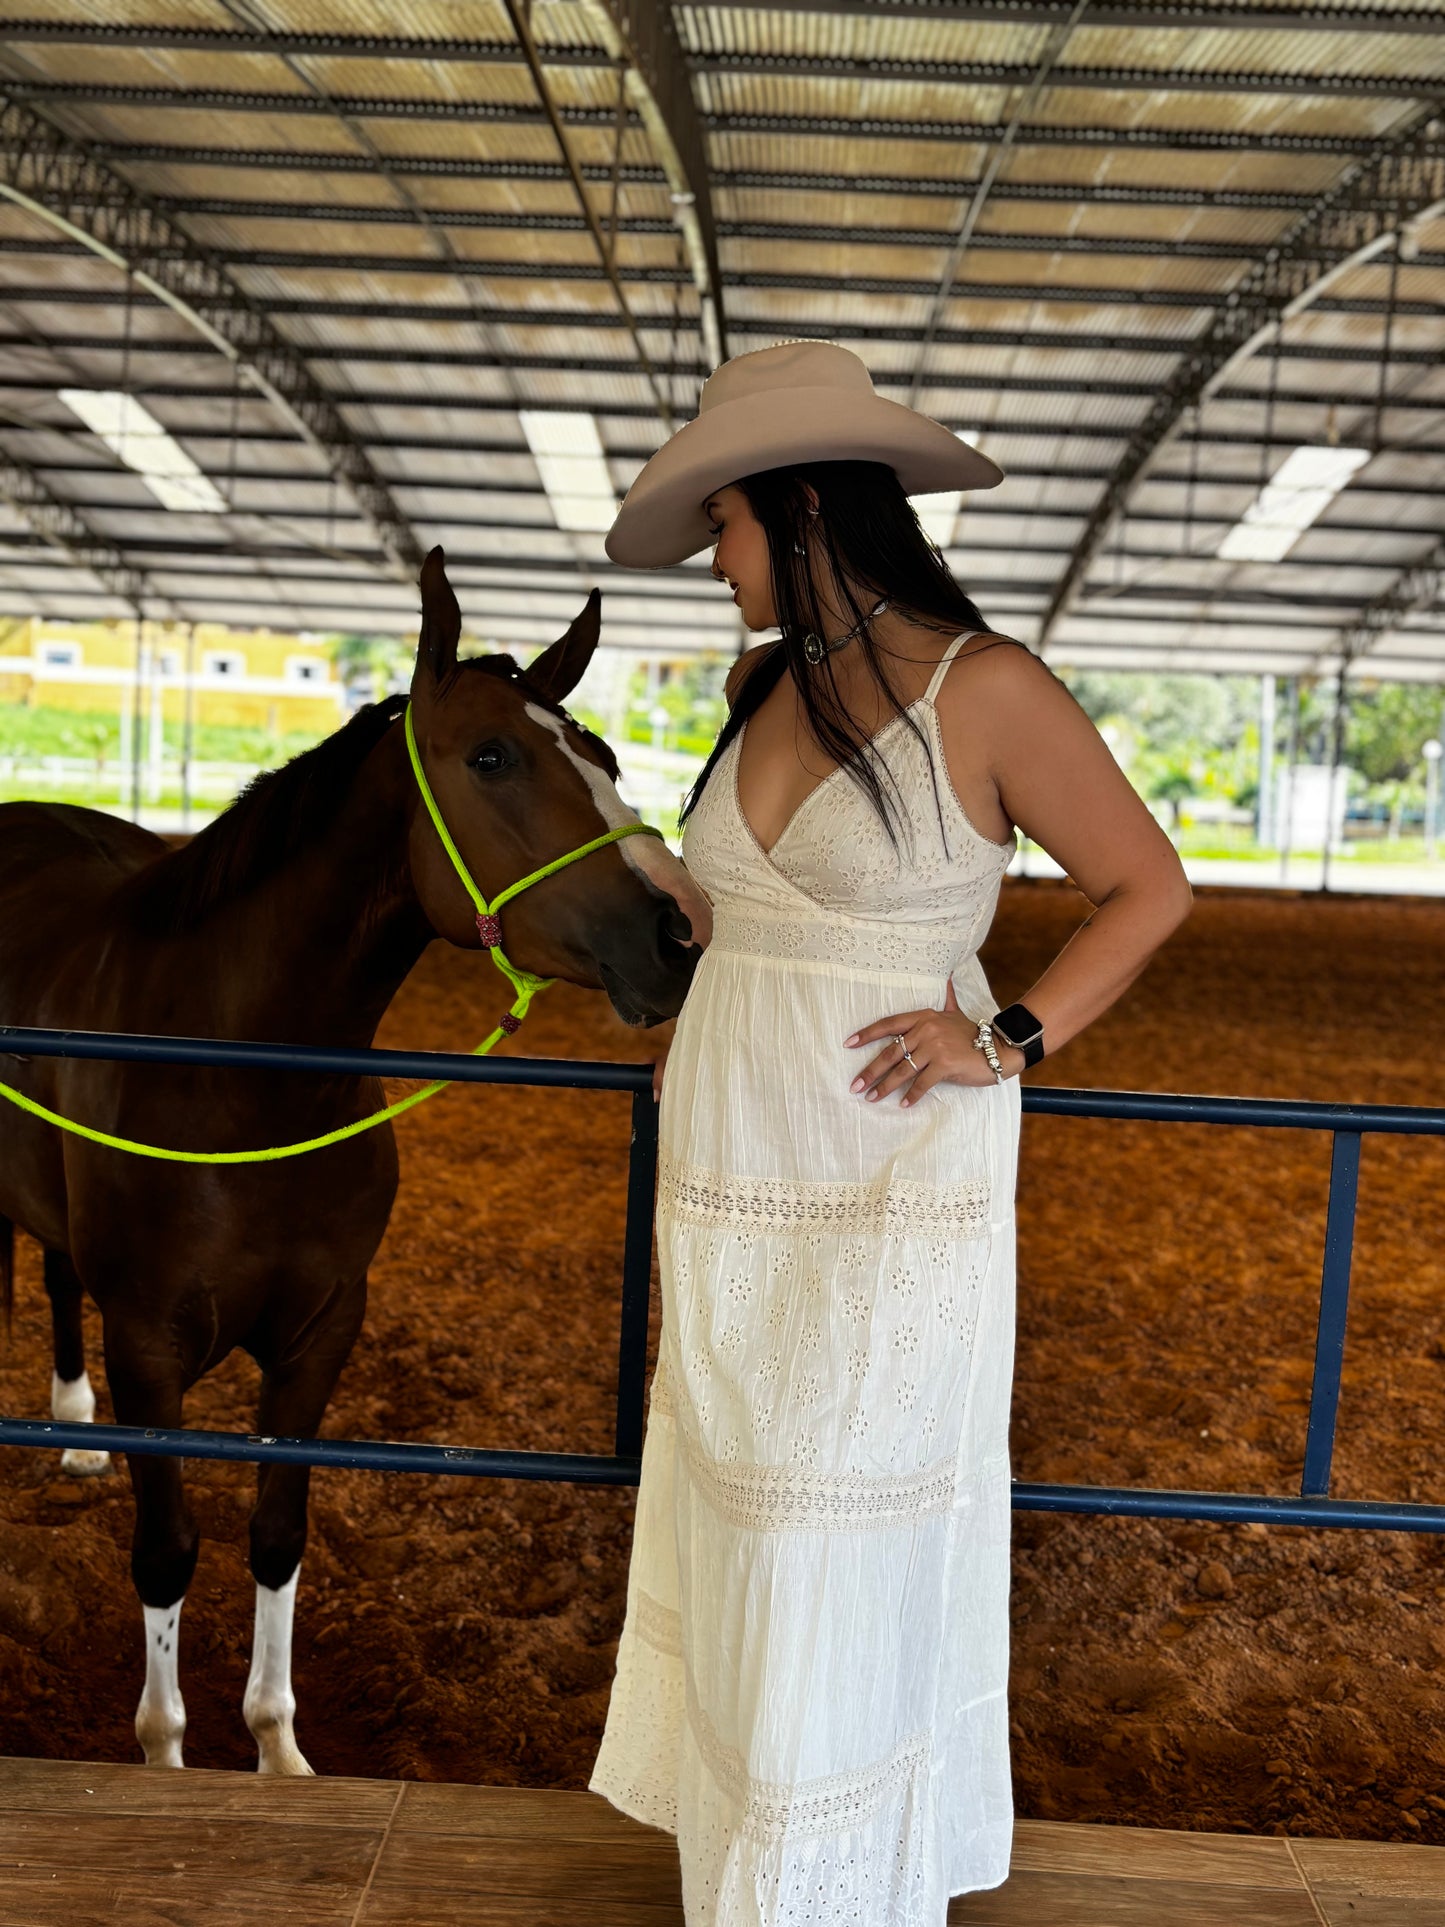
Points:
(1431, 752)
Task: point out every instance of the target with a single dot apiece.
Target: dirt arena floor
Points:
(1179, 1675)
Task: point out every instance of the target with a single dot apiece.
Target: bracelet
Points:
(984, 1042)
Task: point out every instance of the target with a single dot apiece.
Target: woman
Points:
(811, 1679)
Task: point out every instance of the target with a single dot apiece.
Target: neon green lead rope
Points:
(523, 983)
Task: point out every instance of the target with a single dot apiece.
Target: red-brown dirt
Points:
(1184, 1675)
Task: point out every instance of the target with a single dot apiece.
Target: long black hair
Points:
(875, 546)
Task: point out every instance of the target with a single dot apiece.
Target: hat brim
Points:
(662, 521)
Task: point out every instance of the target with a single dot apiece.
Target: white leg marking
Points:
(160, 1719)
(270, 1705)
(73, 1400)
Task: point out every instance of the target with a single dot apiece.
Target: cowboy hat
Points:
(801, 401)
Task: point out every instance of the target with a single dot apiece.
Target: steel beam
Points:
(661, 94)
(1150, 16)
(648, 21)
(63, 529)
(1407, 172)
(467, 167)
(1416, 589)
(1000, 338)
(53, 175)
(223, 100)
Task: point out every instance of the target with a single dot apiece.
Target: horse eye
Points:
(489, 760)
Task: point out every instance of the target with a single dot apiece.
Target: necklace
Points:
(814, 647)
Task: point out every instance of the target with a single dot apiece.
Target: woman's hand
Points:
(941, 1043)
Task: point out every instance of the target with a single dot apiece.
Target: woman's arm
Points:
(737, 675)
(1057, 780)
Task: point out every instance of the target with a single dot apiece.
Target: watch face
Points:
(1017, 1026)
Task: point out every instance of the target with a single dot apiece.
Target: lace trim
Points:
(659, 1625)
(782, 1498)
(660, 1399)
(875, 946)
(775, 1812)
(891, 1207)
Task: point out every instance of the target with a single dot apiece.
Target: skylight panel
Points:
(136, 438)
(568, 452)
(1300, 491)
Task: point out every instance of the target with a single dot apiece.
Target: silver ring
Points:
(898, 1040)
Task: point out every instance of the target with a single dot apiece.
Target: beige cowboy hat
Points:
(802, 401)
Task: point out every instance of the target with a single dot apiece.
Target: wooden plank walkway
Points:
(98, 1846)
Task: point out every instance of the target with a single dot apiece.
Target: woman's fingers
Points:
(890, 1067)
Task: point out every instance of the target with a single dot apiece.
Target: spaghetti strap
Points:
(946, 658)
(936, 683)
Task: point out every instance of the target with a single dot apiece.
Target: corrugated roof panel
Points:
(104, 64)
(1191, 171)
(245, 131)
(1261, 50)
(1067, 437)
(844, 154)
(1251, 112)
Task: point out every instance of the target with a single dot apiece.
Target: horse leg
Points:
(146, 1389)
(293, 1403)
(71, 1397)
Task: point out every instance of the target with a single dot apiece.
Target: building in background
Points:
(248, 678)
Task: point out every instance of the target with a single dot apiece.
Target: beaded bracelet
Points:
(984, 1042)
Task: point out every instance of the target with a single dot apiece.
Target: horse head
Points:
(518, 783)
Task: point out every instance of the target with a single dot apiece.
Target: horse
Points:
(293, 918)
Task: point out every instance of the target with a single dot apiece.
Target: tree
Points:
(1387, 725)
(371, 666)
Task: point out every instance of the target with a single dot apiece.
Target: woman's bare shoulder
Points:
(743, 668)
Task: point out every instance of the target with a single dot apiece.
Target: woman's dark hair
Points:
(872, 538)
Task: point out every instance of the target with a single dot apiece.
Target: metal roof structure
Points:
(340, 250)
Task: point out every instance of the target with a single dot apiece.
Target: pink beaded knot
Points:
(511, 1025)
(489, 928)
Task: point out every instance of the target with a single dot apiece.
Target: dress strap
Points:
(948, 655)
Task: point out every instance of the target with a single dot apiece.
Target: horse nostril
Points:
(674, 922)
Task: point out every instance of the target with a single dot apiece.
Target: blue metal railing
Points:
(1347, 1122)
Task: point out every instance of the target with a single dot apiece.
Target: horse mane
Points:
(278, 813)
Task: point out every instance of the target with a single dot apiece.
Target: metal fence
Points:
(1347, 1123)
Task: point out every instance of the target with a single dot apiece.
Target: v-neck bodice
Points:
(834, 887)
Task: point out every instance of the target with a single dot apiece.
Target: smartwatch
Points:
(1019, 1027)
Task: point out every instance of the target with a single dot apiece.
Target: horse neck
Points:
(317, 951)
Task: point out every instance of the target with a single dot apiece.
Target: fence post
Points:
(1334, 1308)
(636, 1274)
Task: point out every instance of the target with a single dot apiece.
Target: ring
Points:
(898, 1040)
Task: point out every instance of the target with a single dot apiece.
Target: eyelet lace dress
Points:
(812, 1672)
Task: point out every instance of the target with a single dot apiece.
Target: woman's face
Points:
(741, 555)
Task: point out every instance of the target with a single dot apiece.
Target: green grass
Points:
(47, 731)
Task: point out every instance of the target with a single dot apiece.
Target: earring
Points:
(798, 549)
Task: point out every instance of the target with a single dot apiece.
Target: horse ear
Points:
(441, 619)
(558, 670)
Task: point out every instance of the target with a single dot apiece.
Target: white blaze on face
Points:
(649, 856)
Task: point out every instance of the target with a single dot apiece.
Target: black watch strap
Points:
(1018, 1026)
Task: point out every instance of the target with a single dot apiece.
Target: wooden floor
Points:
(98, 1846)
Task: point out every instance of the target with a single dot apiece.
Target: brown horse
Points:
(293, 918)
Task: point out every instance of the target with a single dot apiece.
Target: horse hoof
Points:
(291, 1764)
(84, 1465)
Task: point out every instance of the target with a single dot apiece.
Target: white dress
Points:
(812, 1674)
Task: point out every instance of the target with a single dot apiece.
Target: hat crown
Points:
(791, 364)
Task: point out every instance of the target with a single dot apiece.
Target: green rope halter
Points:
(525, 985)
